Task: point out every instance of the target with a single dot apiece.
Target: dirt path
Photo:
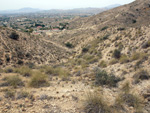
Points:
(57, 45)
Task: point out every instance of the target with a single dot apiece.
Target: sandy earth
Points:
(59, 97)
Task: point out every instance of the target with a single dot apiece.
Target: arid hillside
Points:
(99, 65)
(116, 41)
(83, 30)
(134, 14)
(21, 48)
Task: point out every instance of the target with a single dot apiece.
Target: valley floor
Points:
(59, 97)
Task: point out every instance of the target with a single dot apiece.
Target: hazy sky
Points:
(58, 4)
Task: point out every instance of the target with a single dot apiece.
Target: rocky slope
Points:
(133, 14)
(20, 48)
(95, 40)
(83, 30)
(117, 41)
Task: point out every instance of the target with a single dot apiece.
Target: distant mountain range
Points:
(22, 10)
(113, 6)
(57, 11)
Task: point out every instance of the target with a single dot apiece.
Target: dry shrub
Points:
(23, 70)
(129, 99)
(113, 61)
(38, 79)
(94, 103)
(14, 81)
(48, 70)
(138, 56)
(63, 73)
(103, 64)
(102, 78)
(141, 75)
(22, 95)
(124, 59)
(10, 93)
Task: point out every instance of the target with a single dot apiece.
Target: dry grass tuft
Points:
(24, 70)
(38, 79)
(94, 103)
(129, 99)
(14, 81)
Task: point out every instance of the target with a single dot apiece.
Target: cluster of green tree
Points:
(63, 26)
(28, 20)
(36, 25)
(27, 30)
(4, 19)
(14, 26)
(44, 28)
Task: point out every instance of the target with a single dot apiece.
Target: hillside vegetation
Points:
(99, 65)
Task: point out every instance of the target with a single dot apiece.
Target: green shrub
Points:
(117, 38)
(104, 28)
(102, 78)
(146, 45)
(84, 50)
(14, 81)
(121, 29)
(134, 21)
(38, 79)
(106, 37)
(14, 36)
(1, 61)
(94, 103)
(116, 54)
(69, 45)
(20, 62)
(7, 56)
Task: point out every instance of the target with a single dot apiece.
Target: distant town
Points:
(39, 22)
(36, 24)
